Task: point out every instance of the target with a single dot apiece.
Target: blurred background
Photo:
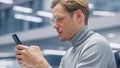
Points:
(30, 20)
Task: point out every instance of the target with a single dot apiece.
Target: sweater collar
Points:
(81, 36)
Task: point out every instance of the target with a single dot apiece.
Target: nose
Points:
(56, 26)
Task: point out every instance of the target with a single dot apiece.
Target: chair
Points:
(117, 58)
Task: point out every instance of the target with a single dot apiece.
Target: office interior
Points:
(30, 20)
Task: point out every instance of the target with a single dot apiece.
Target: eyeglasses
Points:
(56, 19)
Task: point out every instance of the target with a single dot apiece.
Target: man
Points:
(89, 49)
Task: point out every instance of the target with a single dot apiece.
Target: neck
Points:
(81, 36)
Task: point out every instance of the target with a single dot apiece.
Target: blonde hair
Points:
(72, 5)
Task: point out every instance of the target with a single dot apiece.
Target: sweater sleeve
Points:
(95, 54)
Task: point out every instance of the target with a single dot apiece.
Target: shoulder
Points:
(96, 42)
(97, 39)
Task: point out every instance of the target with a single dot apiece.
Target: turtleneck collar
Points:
(80, 36)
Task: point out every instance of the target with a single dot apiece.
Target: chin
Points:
(63, 39)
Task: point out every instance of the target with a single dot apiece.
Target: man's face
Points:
(65, 24)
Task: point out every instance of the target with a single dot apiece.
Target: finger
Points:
(19, 56)
(37, 50)
(20, 62)
(19, 59)
(22, 53)
(19, 52)
(21, 47)
(36, 47)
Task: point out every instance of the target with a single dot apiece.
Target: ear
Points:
(79, 16)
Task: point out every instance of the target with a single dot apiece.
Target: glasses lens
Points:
(56, 19)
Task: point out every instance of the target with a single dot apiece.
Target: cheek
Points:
(68, 30)
(67, 26)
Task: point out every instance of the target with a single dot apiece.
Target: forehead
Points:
(59, 10)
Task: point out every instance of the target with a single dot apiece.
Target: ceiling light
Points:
(22, 9)
(44, 14)
(6, 1)
(91, 6)
(104, 13)
(28, 18)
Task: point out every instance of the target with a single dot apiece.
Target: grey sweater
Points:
(89, 50)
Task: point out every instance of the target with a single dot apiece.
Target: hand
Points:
(31, 56)
(26, 66)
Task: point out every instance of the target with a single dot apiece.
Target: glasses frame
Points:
(57, 19)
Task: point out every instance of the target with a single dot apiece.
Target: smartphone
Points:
(16, 39)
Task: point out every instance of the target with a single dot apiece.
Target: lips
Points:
(59, 32)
